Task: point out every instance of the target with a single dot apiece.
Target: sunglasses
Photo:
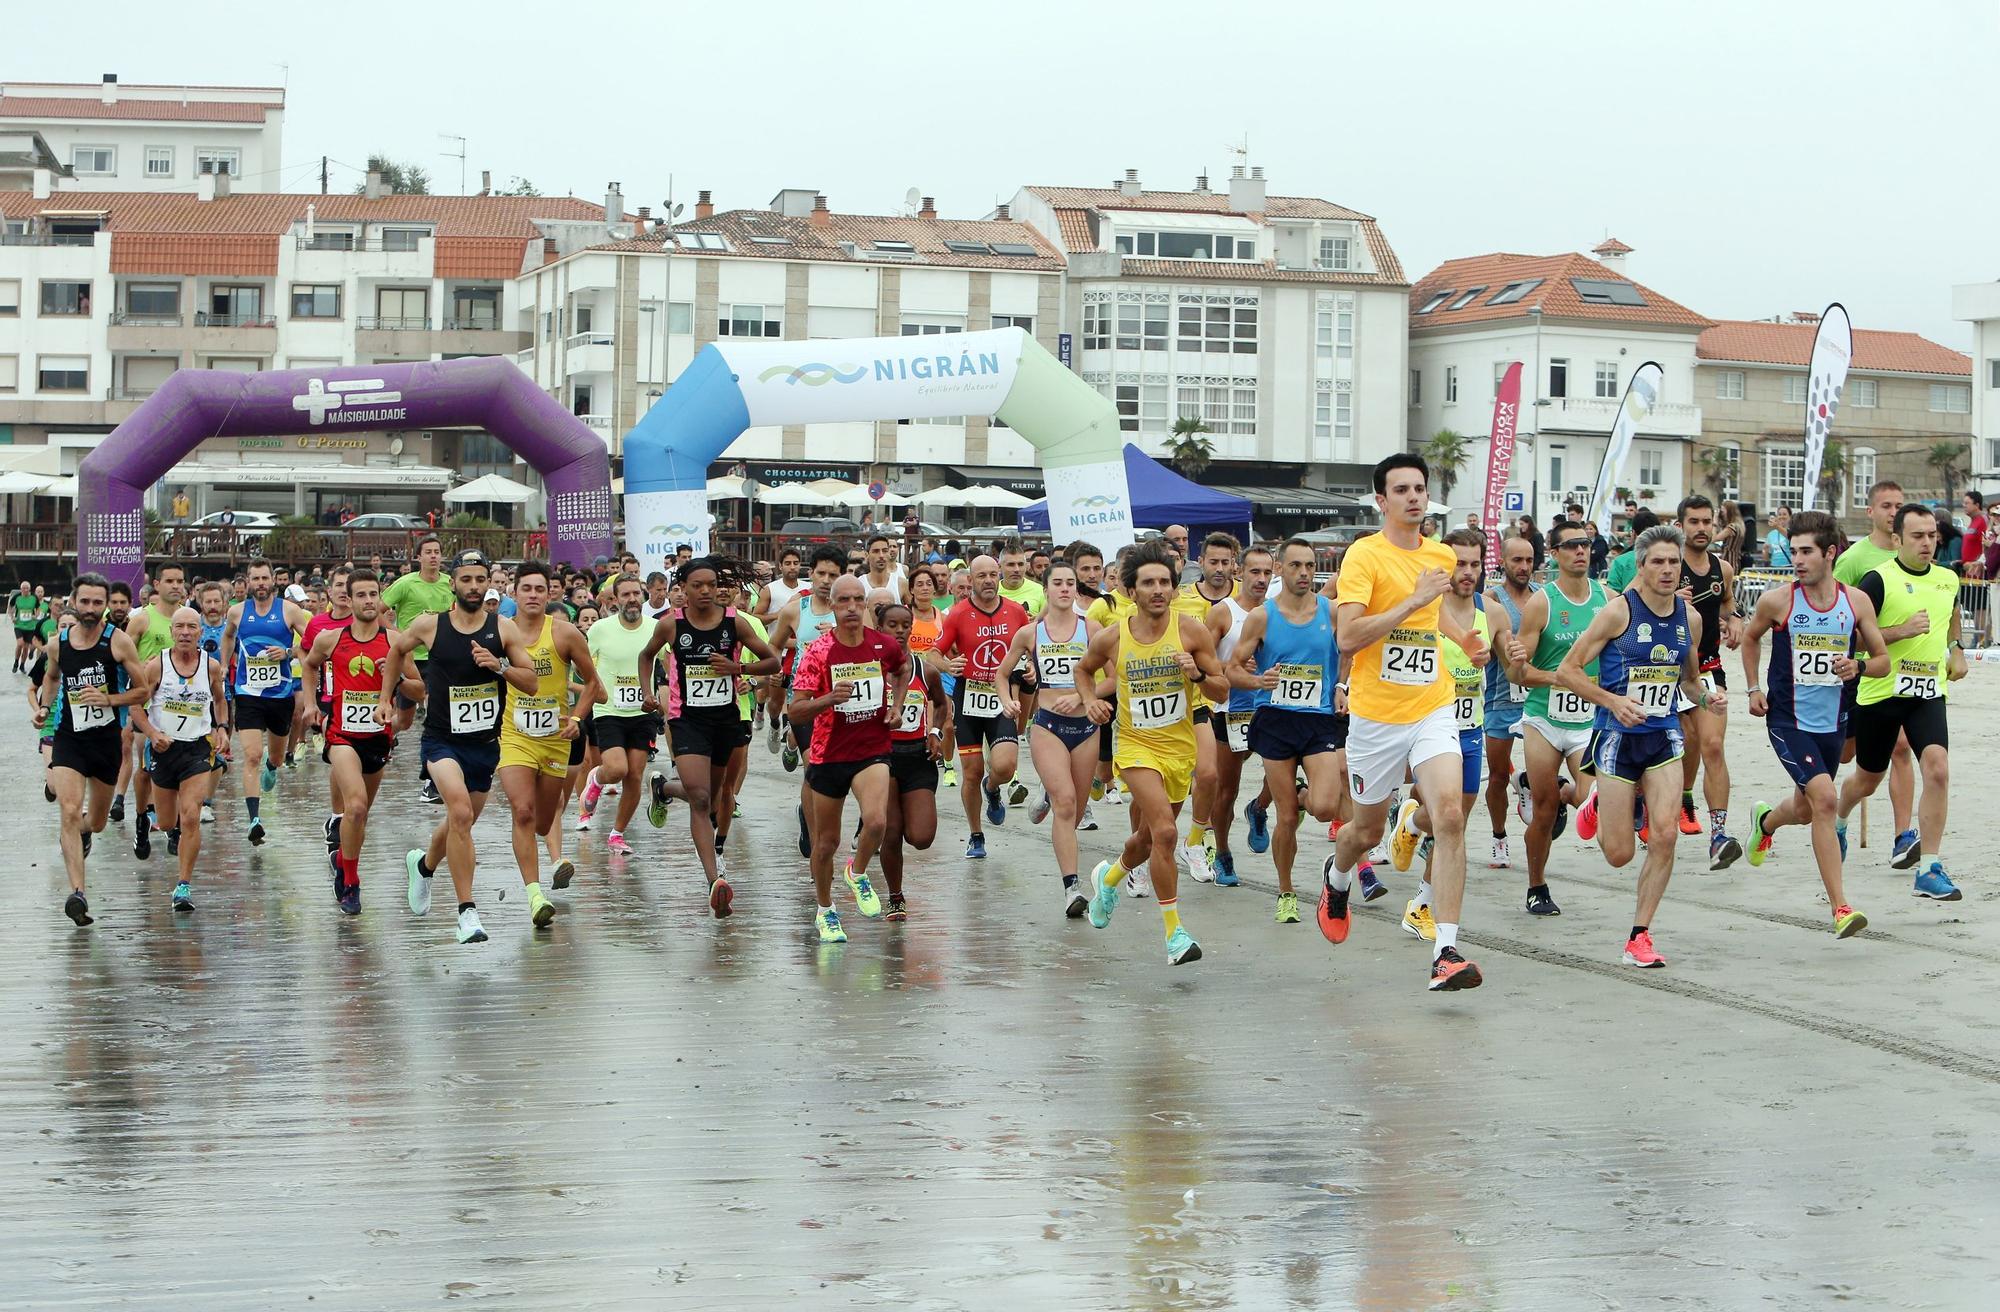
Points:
(1573, 544)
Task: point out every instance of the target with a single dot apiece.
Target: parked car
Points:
(807, 531)
(210, 535)
(385, 519)
(382, 533)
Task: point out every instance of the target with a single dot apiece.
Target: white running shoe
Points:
(1075, 901)
(1524, 798)
(1196, 861)
(1086, 822)
(469, 928)
(1041, 809)
(1114, 796)
(1499, 860)
(1138, 883)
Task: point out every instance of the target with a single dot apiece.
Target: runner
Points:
(1026, 592)
(971, 643)
(425, 591)
(117, 615)
(94, 675)
(1817, 621)
(184, 733)
(1853, 564)
(151, 630)
(1225, 626)
(257, 650)
(1917, 602)
(26, 608)
(1505, 699)
(846, 683)
(705, 728)
(214, 602)
(1158, 657)
(1196, 600)
(1401, 705)
(1285, 659)
(538, 731)
(1646, 642)
(338, 612)
(625, 732)
(773, 597)
(884, 575)
(917, 744)
(798, 626)
(348, 661)
(472, 651)
(1557, 722)
(738, 770)
(1063, 740)
(1711, 589)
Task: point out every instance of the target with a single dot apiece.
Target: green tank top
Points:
(615, 650)
(159, 634)
(1567, 621)
(1916, 664)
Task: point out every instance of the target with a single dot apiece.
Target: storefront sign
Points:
(259, 443)
(315, 443)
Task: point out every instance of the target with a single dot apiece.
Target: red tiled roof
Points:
(1875, 351)
(239, 255)
(1611, 246)
(1556, 297)
(77, 107)
(808, 241)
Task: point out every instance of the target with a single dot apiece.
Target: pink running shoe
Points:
(617, 845)
(1586, 816)
(1639, 952)
(592, 790)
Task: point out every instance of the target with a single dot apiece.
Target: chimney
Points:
(1000, 213)
(221, 177)
(929, 209)
(614, 206)
(486, 182)
(204, 187)
(1611, 254)
(1201, 184)
(704, 205)
(109, 95)
(821, 216)
(1246, 194)
(1129, 185)
(373, 188)
(548, 250)
(45, 183)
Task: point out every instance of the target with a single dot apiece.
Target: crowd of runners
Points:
(1386, 701)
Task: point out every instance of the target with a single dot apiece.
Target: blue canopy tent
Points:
(1160, 497)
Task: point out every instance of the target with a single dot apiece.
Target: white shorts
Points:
(1381, 756)
(1566, 739)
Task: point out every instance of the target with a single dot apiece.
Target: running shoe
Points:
(1225, 870)
(173, 842)
(142, 838)
(898, 911)
(1562, 817)
(1424, 849)
(1041, 809)
(267, 776)
(656, 805)
(564, 872)
(1524, 798)
(1288, 909)
(1259, 820)
(420, 883)
(805, 835)
(207, 813)
(1195, 858)
(827, 920)
(1451, 972)
(1418, 922)
(1905, 852)
(290, 764)
(1332, 830)
(950, 777)
(184, 897)
(1404, 837)
(1181, 948)
(736, 810)
(118, 809)
(1017, 792)
(256, 832)
(1639, 952)
(583, 819)
(1935, 884)
(349, 900)
(1087, 822)
(429, 794)
(1840, 832)
(1371, 887)
(1722, 851)
(1847, 922)
(1114, 796)
(975, 848)
(1690, 819)
(469, 928)
(77, 908)
(1644, 824)
(1074, 901)
(865, 900)
(789, 758)
(772, 742)
(1500, 858)
(720, 895)
(87, 836)
(1104, 897)
(1096, 789)
(996, 809)
(1760, 841)
(1541, 902)
(1139, 883)
(616, 844)
(1335, 917)
(1586, 816)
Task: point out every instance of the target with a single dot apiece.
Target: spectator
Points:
(1778, 542)
(1729, 544)
(1535, 539)
(1600, 552)
(1972, 547)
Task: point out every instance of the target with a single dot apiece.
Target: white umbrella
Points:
(45, 460)
(1439, 508)
(491, 488)
(943, 497)
(733, 489)
(61, 487)
(854, 494)
(793, 494)
(20, 481)
(988, 497)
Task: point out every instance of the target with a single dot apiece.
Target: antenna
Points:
(460, 157)
(1242, 150)
(913, 200)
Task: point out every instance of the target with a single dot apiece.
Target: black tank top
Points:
(464, 702)
(1705, 595)
(703, 693)
(91, 667)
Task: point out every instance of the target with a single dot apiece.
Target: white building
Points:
(1280, 321)
(1579, 326)
(115, 137)
(1979, 304)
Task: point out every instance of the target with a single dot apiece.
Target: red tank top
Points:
(355, 673)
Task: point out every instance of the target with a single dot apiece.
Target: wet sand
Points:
(267, 1104)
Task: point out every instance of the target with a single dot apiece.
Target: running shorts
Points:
(912, 770)
(1072, 730)
(272, 715)
(1379, 755)
(1567, 739)
(974, 735)
(1921, 719)
(372, 748)
(1472, 750)
(93, 758)
(548, 755)
(1284, 734)
(181, 762)
(1802, 753)
(614, 733)
(476, 761)
(1177, 777)
(713, 738)
(1627, 754)
(836, 778)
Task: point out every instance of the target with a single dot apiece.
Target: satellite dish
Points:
(913, 200)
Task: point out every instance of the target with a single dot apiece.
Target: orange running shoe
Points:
(1451, 971)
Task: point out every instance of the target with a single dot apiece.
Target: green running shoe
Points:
(865, 900)
(1104, 900)
(1760, 842)
(828, 922)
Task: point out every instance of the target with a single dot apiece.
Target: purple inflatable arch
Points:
(487, 392)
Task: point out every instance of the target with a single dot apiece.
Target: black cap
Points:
(470, 556)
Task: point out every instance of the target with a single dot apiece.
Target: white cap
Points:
(492, 594)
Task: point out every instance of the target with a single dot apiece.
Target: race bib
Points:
(1236, 725)
(185, 707)
(626, 694)
(1707, 678)
(982, 700)
(706, 688)
(83, 717)
(1655, 688)
(475, 707)
(1410, 657)
(1057, 664)
(264, 672)
(1160, 709)
(537, 717)
(912, 718)
(866, 676)
(357, 712)
(1566, 707)
(1917, 679)
(1516, 693)
(1300, 687)
(1813, 655)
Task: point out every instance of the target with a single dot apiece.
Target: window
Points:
(403, 308)
(403, 239)
(1795, 389)
(1223, 409)
(1026, 323)
(768, 239)
(10, 373)
(63, 373)
(1333, 252)
(1155, 327)
(1951, 399)
(1450, 384)
(1729, 385)
(1141, 409)
(153, 300)
(1652, 467)
(1096, 326)
(1323, 335)
(211, 160)
(93, 160)
(1246, 330)
(10, 298)
(1731, 469)
(1142, 327)
(1499, 373)
(701, 241)
(315, 300)
(1466, 299)
(926, 325)
(680, 317)
(968, 248)
(1184, 245)
(1559, 379)
(1598, 291)
(334, 239)
(1127, 336)
(233, 307)
(1514, 291)
(1993, 373)
(1784, 476)
(582, 316)
(1416, 387)
(1860, 475)
(897, 247)
(1439, 299)
(1607, 379)
(1343, 336)
(1343, 424)
(1018, 248)
(159, 161)
(746, 321)
(1323, 415)
(73, 298)
(1864, 394)
(1187, 335)
(476, 308)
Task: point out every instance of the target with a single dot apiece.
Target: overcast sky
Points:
(1761, 158)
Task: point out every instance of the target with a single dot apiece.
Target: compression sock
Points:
(250, 805)
(1716, 820)
(1170, 914)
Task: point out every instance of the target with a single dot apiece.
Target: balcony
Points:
(1596, 414)
(600, 422)
(48, 239)
(207, 319)
(147, 332)
(346, 243)
(589, 353)
(402, 337)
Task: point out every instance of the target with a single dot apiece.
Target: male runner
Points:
(1160, 656)
(347, 661)
(773, 597)
(917, 743)
(971, 644)
(1225, 625)
(1816, 621)
(183, 720)
(883, 575)
(257, 651)
(1709, 583)
(1916, 600)
(625, 732)
(151, 630)
(463, 700)
(1196, 600)
(1854, 563)
(1645, 643)
(424, 591)
(1015, 585)
(848, 687)
(799, 624)
(538, 730)
(1399, 702)
(1286, 658)
(336, 615)
(93, 674)
(1505, 699)
(117, 615)
(26, 608)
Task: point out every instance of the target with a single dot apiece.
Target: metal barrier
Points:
(1975, 601)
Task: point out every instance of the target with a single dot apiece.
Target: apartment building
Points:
(1904, 395)
(1580, 326)
(129, 137)
(1278, 321)
(1979, 305)
(613, 324)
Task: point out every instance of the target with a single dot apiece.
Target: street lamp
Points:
(1534, 438)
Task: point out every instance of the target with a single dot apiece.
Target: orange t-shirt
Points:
(1400, 679)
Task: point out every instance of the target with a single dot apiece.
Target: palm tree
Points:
(1446, 453)
(1188, 451)
(1715, 464)
(1832, 468)
(1947, 460)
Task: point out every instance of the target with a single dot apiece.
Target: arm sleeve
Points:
(1871, 588)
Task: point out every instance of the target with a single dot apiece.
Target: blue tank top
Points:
(1645, 663)
(1303, 655)
(211, 638)
(1055, 660)
(263, 652)
(1496, 677)
(1800, 683)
